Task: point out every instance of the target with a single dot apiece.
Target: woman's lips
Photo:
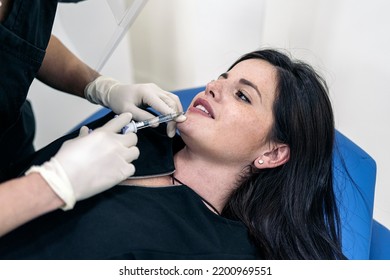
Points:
(204, 107)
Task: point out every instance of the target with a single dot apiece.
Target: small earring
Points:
(261, 161)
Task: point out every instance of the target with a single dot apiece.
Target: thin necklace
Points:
(174, 179)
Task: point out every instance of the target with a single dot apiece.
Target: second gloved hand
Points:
(134, 98)
(92, 162)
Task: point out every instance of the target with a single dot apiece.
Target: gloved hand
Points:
(92, 162)
(122, 98)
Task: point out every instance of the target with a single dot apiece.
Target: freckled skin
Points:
(239, 129)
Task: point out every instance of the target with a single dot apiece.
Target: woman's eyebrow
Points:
(224, 75)
(252, 85)
(244, 82)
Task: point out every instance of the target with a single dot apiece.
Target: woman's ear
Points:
(279, 155)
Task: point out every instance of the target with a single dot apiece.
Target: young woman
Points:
(250, 176)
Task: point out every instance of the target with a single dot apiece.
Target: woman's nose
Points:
(214, 89)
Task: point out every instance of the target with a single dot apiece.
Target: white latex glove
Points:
(91, 163)
(122, 98)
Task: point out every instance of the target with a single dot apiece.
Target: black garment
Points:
(130, 222)
(24, 36)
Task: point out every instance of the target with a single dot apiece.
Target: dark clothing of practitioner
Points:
(133, 222)
(24, 36)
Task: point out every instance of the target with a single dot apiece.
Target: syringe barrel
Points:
(131, 127)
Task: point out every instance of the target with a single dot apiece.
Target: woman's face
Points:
(230, 121)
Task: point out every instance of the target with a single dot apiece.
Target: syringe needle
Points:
(135, 126)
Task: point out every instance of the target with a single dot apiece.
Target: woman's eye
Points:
(240, 94)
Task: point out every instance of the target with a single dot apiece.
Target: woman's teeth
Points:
(203, 109)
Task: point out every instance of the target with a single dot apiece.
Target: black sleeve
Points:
(51, 149)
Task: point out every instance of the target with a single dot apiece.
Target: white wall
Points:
(185, 43)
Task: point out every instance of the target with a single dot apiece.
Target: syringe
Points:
(135, 126)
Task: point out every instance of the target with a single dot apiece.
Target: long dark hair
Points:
(291, 211)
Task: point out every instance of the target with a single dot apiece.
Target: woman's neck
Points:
(211, 180)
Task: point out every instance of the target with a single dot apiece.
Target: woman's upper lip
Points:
(204, 104)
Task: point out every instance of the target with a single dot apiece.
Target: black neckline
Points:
(174, 179)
